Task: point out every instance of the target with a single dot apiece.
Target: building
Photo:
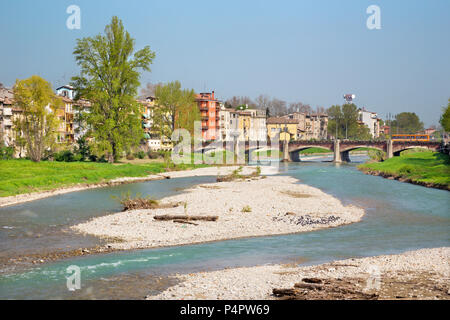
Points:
(316, 126)
(385, 130)
(6, 117)
(209, 109)
(153, 137)
(310, 126)
(285, 127)
(228, 123)
(370, 119)
(244, 124)
(71, 126)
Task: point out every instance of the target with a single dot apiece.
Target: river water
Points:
(399, 217)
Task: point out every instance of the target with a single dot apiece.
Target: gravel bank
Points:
(269, 205)
(421, 274)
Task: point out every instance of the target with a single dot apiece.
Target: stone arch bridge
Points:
(341, 149)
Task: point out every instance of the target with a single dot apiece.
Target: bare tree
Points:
(237, 101)
(278, 107)
(149, 89)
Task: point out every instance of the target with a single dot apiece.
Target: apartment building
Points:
(71, 127)
(370, 119)
(209, 108)
(6, 116)
(286, 128)
(245, 124)
(310, 126)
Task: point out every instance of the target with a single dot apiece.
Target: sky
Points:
(312, 51)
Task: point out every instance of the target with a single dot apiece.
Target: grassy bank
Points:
(431, 169)
(24, 176)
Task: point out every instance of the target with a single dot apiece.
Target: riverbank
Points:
(250, 207)
(22, 176)
(429, 169)
(420, 274)
(106, 175)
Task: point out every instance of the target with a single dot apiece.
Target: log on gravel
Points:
(284, 292)
(184, 221)
(166, 217)
(309, 286)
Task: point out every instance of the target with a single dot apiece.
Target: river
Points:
(399, 217)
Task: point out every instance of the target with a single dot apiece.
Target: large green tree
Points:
(445, 118)
(343, 123)
(176, 109)
(109, 79)
(38, 124)
(406, 122)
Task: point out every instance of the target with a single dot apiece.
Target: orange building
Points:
(209, 109)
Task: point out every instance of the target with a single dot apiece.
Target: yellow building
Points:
(286, 128)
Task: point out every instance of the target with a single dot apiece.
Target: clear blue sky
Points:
(311, 51)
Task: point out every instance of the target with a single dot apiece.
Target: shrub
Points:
(153, 155)
(64, 156)
(140, 154)
(246, 209)
(6, 153)
(130, 156)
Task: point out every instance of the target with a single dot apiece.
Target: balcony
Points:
(203, 108)
(7, 122)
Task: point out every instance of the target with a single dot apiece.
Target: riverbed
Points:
(399, 217)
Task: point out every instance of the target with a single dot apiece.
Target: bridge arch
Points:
(343, 149)
(294, 153)
(400, 149)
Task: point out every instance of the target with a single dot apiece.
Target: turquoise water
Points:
(399, 217)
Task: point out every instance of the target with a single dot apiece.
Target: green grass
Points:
(428, 167)
(24, 176)
(314, 150)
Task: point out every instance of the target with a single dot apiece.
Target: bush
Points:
(153, 155)
(64, 156)
(140, 154)
(6, 153)
(130, 156)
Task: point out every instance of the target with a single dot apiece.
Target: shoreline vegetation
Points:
(428, 169)
(420, 274)
(24, 180)
(245, 203)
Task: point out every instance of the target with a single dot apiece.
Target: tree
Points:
(334, 122)
(109, 79)
(237, 101)
(149, 89)
(176, 109)
(406, 122)
(350, 119)
(299, 107)
(445, 118)
(39, 122)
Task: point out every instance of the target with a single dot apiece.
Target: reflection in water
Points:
(399, 217)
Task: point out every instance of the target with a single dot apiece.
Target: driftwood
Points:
(284, 292)
(184, 221)
(167, 217)
(310, 286)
